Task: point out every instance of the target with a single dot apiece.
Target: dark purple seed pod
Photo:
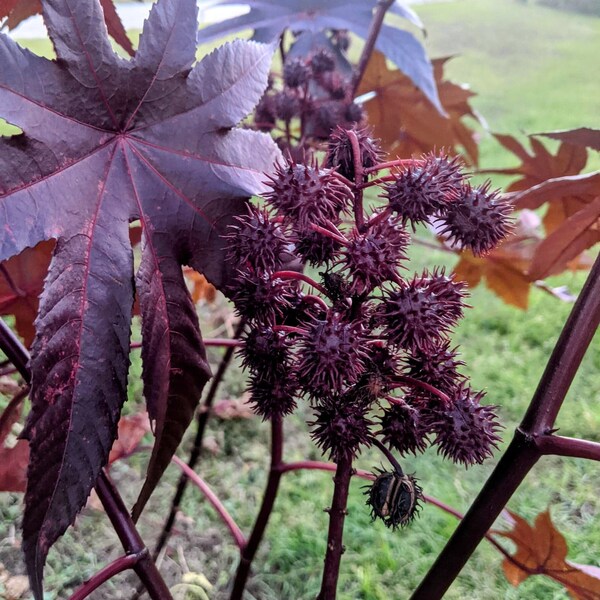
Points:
(265, 114)
(372, 257)
(447, 291)
(340, 428)
(296, 72)
(266, 352)
(330, 356)
(341, 39)
(394, 498)
(421, 191)
(402, 429)
(273, 396)
(255, 241)
(477, 219)
(322, 61)
(340, 154)
(466, 431)
(315, 248)
(306, 194)
(327, 116)
(414, 317)
(337, 286)
(287, 106)
(260, 297)
(437, 365)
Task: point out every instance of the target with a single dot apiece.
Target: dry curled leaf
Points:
(404, 119)
(542, 550)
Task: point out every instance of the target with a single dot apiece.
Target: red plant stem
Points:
(564, 446)
(108, 572)
(378, 218)
(404, 380)
(201, 423)
(289, 329)
(359, 213)
(295, 276)
(249, 551)
(317, 300)
(224, 342)
(386, 452)
(130, 539)
(398, 162)
(14, 350)
(374, 29)
(377, 182)
(219, 342)
(327, 232)
(236, 532)
(337, 516)
(523, 452)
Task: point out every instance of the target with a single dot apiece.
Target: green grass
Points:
(530, 67)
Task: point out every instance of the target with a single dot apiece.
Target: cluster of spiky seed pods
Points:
(367, 346)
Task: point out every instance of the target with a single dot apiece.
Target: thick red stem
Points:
(249, 551)
(337, 516)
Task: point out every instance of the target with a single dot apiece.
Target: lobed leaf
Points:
(270, 18)
(108, 141)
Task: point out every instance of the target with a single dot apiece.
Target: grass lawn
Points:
(531, 68)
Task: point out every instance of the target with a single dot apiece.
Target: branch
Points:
(108, 572)
(249, 551)
(337, 516)
(130, 539)
(564, 446)
(374, 29)
(236, 532)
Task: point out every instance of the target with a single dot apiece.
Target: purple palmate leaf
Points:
(269, 18)
(108, 141)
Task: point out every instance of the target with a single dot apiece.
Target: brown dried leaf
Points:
(21, 283)
(542, 549)
(13, 467)
(576, 234)
(540, 164)
(406, 122)
(200, 288)
(132, 429)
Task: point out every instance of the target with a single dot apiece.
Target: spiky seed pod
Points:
(420, 192)
(394, 498)
(372, 257)
(260, 297)
(341, 155)
(341, 39)
(327, 116)
(265, 113)
(287, 106)
(340, 428)
(437, 366)
(414, 316)
(402, 429)
(255, 241)
(465, 430)
(306, 194)
(337, 286)
(314, 248)
(330, 356)
(273, 396)
(477, 219)
(296, 73)
(266, 352)
(447, 290)
(322, 61)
